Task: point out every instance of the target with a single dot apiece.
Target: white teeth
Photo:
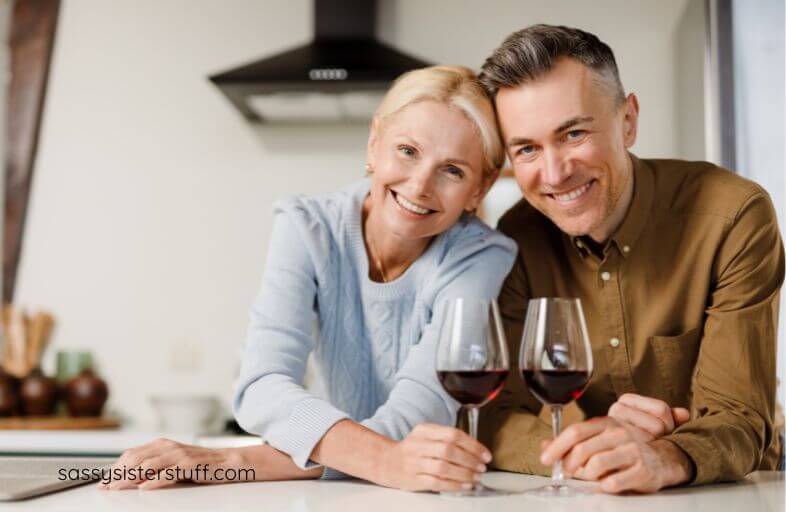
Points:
(578, 192)
(408, 205)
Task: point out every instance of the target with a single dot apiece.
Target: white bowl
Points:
(185, 413)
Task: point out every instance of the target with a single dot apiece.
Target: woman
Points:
(373, 264)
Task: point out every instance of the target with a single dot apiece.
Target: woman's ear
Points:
(486, 182)
(373, 137)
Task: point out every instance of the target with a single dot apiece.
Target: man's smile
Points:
(572, 195)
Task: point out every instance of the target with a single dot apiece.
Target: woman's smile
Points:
(410, 208)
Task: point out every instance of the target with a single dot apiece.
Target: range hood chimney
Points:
(340, 75)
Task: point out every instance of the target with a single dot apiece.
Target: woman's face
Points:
(428, 168)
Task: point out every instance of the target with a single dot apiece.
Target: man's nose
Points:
(555, 169)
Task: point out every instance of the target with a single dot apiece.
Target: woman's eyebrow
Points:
(407, 138)
(458, 161)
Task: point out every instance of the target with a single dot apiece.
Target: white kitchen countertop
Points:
(762, 491)
(104, 442)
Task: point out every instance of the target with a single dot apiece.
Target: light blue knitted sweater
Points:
(377, 342)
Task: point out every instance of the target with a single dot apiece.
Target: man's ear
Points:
(630, 123)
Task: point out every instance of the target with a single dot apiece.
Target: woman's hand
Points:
(434, 458)
(164, 462)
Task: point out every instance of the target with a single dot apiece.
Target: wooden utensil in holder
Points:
(24, 339)
(27, 397)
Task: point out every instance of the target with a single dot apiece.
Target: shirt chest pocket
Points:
(675, 358)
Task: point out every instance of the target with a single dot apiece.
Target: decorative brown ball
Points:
(39, 394)
(85, 394)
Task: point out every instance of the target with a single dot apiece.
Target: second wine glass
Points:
(556, 363)
(472, 361)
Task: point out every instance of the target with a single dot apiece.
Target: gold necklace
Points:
(377, 261)
(382, 271)
(380, 266)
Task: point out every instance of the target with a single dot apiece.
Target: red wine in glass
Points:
(473, 387)
(556, 364)
(472, 362)
(556, 387)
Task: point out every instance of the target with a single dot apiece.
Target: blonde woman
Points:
(372, 264)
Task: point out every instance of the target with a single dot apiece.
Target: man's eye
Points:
(526, 150)
(575, 134)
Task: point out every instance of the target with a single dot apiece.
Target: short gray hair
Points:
(531, 52)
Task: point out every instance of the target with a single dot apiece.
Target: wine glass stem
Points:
(473, 421)
(472, 412)
(556, 470)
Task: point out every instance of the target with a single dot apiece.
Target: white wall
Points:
(689, 57)
(150, 208)
(5, 19)
(758, 39)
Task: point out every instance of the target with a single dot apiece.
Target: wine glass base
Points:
(479, 491)
(557, 491)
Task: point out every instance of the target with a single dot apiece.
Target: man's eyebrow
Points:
(570, 123)
(519, 141)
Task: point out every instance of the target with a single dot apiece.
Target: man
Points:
(678, 266)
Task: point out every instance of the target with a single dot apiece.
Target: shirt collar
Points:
(638, 212)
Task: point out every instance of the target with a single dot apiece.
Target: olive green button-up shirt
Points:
(681, 305)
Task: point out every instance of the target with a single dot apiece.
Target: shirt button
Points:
(580, 244)
(626, 248)
(614, 342)
(605, 276)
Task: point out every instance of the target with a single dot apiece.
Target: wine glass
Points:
(472, 362)
(556, 363)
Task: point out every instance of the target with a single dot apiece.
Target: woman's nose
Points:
(422, 181)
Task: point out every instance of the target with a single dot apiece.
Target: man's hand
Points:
(653, 417)
(606, 450)
(434, 458)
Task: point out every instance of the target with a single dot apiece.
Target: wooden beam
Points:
(32, 33)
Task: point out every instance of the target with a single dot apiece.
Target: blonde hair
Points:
(457, 86)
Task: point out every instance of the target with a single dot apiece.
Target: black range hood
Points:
(341, 74)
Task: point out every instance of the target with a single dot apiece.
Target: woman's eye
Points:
(455, 171)
(407, 150)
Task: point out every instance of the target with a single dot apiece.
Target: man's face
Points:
(567, 142)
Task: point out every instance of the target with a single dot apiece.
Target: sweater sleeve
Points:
(476, 268)
(269, 398)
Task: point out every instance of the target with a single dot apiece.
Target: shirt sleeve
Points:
(269, 398)
(733, 399)
(476, 270)
(510, 425)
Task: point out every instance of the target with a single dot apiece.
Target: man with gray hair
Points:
(678, 266)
